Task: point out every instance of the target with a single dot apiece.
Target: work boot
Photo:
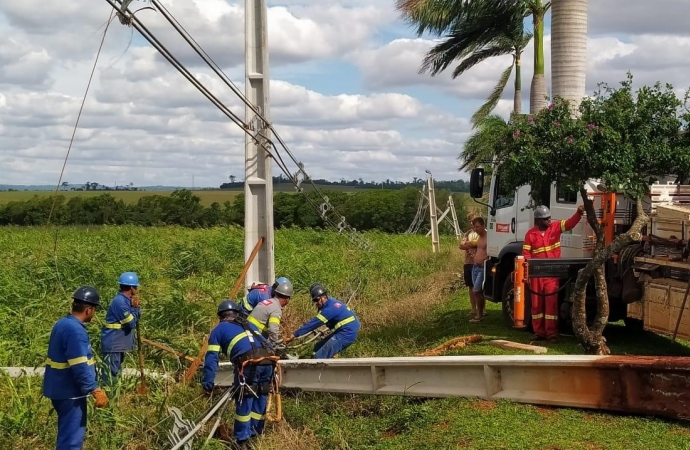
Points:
(536, 337)
(241, 445)
(553, 340)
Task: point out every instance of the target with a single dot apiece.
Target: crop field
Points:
(408, 299)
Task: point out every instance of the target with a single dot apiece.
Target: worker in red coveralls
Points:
(543, 241)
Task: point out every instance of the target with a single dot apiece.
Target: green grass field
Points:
(408, 299)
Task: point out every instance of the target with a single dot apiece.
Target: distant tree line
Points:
(390, 211)
(452, 185)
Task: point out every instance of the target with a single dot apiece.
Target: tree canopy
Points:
(624, 138)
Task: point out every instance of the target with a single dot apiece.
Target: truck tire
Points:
(507, 298)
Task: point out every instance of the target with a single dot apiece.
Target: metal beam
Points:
(638, 384)
(258, 182)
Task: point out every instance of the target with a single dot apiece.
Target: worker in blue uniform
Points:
(70, 374)
(259, 292)
(337, 316)
(254, 363)
(117, 335)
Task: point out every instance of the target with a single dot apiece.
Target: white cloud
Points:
(344, 88)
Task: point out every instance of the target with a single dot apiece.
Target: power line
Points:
(335, 219)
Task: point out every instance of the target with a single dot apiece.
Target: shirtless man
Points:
(469, 244)
(480, 256)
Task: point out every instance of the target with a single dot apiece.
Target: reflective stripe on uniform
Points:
(548, 248)
(344, 322)
(527, 247)
(128, 318)
(256, 322)
(70, 362)
(550, 317)
(563, 225)
(246, 305)
(257, 416)
(321, 318)
(213, 348)
(537, 316)
(118, 325)
(242, 418)
(238, 338)
(275, 320)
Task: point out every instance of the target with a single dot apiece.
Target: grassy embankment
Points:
(408, 302)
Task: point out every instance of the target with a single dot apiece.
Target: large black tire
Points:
(507, 298)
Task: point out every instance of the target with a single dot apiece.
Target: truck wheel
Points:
(507, 299)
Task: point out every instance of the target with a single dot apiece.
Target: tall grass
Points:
(184, 274)
(405, 296)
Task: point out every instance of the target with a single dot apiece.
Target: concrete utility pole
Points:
(258, 184)
(454, 214)
(433, 221)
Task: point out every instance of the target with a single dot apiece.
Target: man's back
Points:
(266, 317)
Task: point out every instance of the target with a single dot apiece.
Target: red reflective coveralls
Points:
(546, 244)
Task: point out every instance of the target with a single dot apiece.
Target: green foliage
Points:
(391, 211)
(399, 278)
(472, 32)
(626, 139)
(487, 141)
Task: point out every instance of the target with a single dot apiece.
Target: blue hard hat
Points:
(282, 280)
(88, 295)
(129, 279)
(228, 304)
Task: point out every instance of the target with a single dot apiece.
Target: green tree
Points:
(475, 31)
(622, 138)
(493, 21)
(486, 141)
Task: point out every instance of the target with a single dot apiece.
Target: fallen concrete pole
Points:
(637, 384)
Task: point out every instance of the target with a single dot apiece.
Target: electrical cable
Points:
(76, 124)
(280, 162)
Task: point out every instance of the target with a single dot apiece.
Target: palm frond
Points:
(493, 98)
(485, 143)
(479, 56)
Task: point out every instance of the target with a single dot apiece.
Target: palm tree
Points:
(440, 16)
(472, 37)
(485, 143)
(569, 50)
(537, 96)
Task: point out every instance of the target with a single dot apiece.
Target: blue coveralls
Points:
(70, 377)
(238, 343)
(117, 335)
(338, 317)
(256, 294)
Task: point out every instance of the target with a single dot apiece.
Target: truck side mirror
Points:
(477, 183)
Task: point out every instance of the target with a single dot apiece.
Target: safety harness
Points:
(258, 356)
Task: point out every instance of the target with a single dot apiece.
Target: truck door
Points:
(503, 222)
(524, 213)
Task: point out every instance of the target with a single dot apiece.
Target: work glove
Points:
(101, 400)
(136, 303)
